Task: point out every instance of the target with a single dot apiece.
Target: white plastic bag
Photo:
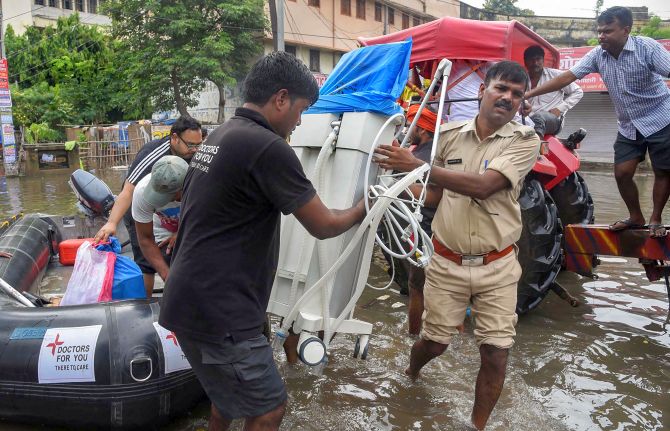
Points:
(92, 276)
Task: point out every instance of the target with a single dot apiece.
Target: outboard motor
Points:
(95, 197)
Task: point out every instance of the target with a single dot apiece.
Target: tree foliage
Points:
(506, 7)
(654, 30)
(68, 74)
(173, 48)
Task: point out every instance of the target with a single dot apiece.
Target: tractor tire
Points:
(574, 202)
(540, 253)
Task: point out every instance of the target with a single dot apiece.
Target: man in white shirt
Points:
(156, 207)
(464, 81)
(548, 110)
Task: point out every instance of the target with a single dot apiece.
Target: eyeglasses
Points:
(189, 145)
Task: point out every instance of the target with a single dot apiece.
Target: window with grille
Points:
(39, 2)
(345, 7)
(360, 9)
(405, 20)
(378, 12)
(67, 4)
(52, 3)
(290, 49)
(92, 6)
(79, 5)
(416, 21)
(391, 15)
(315, 60)
(315, 3)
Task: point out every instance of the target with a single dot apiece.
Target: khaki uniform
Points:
(467, 225)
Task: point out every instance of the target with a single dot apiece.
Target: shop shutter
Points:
(595, 113)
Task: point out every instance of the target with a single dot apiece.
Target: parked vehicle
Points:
(554, 193)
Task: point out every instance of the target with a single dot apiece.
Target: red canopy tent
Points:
(464, 39)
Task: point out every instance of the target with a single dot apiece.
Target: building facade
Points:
(41, 13)
(319, 32)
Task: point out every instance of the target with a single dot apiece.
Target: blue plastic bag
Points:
(128, 281)
(369, 79)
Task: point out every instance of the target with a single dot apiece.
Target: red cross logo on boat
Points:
(173, 338)
(55, 344)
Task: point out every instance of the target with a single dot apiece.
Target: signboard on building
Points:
(591, 82)
(5, 97)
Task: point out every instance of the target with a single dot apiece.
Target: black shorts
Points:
(138, 257)
(658, 145)
(240, 379)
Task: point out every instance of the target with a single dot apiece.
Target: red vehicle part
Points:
(563, 160)
(583, 243)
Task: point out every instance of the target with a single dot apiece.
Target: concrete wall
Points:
(559, 31)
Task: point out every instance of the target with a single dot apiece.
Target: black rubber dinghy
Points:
(540, 252)
(574, 202)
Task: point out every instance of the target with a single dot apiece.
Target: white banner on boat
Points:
(175, 360)
(68, 354)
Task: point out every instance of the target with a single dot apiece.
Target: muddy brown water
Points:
(603, 365)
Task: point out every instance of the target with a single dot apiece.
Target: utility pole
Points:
(386, 18)
(280, 25)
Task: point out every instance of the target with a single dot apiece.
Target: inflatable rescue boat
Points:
(103, 365)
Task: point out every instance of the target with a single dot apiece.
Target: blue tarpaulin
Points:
(367, 79)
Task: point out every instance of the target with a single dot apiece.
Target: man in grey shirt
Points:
(633, 68)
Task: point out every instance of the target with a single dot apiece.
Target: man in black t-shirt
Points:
(227, 246)
(184, 140)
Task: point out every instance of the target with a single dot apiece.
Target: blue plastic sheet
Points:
(128, 281)
(369, 79)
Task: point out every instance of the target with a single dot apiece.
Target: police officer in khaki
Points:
(475, 183)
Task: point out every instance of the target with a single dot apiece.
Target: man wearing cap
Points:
(475, 183)
(185, 138)
(156, 204)
(422, 146)
(548, 110)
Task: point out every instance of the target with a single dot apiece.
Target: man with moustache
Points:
(475, 183)
(633, 68)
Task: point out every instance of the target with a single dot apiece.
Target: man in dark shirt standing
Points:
(227, 247)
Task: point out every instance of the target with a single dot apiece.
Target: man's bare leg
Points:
(291, 347)
(416, 280)
(624, 172)
(422, 352)
(217, 422)
(268, 422)
(660, 195)
(149, 283)
(490, 382)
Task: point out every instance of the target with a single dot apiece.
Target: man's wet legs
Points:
(217, 422)
(624, 173)
(267, 422)
(490, 382)
(416, 281)
(660, 195)
(422, 352)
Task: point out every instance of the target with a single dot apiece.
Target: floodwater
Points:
(603, 365)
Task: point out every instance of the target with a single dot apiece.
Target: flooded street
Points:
(603, 365)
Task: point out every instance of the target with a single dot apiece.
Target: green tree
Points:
(654, 30)
(506, 7)
(68, 74)
(175, 47)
